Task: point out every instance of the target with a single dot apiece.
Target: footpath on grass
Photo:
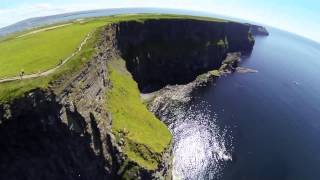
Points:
(50, 71)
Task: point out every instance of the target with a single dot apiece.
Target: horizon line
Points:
(224, 17)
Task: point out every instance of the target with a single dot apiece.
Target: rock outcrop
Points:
(171, 97)
(258, 30)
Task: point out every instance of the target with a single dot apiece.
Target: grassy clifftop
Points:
(16, 89)
(144, 137)
(40, 49)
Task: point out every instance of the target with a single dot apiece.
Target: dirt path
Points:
(50, 71)
(44, 29)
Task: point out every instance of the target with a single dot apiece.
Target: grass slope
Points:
(144, 136)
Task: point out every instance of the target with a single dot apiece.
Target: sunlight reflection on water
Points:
(199, 144)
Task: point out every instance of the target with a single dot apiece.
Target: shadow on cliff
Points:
(35, 144)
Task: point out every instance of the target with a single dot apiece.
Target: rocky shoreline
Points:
(162, 101)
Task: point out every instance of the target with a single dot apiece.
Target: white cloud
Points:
(9, 16)
(24, 11)
(42, 6)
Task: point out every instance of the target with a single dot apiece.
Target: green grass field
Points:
(145, 136)
(43, 50)
(12, 90)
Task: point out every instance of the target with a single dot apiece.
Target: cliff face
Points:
(160, 52)
(37, 144)
(64, 132)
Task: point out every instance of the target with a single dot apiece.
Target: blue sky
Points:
(297, 16)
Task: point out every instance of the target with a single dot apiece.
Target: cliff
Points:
(86, 126)
(161, 52)
(67, 131)
(258, 30)
(63, 132)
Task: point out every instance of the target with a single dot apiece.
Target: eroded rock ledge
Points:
(65, 132)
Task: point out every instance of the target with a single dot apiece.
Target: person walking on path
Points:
(21, 74)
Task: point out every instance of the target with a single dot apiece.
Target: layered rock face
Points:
(161, 52)
(37, 144)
